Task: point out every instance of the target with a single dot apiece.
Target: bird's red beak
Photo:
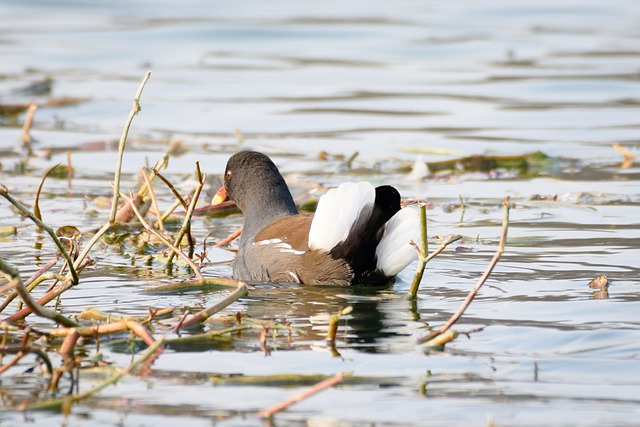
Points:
(220, 196)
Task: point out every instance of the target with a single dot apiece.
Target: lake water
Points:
(387, 80)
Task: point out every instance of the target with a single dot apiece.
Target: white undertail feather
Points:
(337, 211)
(394, 252)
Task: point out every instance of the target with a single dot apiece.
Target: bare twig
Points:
(135, 109)
(26, 127)
(172, 188)
(4, 192)
(105, 329)
(154, 172)
(467, 301)
(203, 315)
(186, 224)
(28, 282)
(66, 349)
(22, 351)
(154, 201)
(49, 296)
(629, 157)
(58, 403)
(29, 301)
(323, 385)
(230, 238)
(188, 260)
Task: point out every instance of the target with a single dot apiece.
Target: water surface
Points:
(386, 80)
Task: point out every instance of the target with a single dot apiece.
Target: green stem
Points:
(422, 257)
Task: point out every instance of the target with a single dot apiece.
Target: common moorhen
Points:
(358, 233)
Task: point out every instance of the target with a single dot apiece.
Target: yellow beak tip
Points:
(217, 199)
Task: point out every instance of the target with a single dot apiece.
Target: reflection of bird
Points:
(358, 234)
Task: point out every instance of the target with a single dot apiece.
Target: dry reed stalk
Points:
(36, 202)
(135, 109)
(66, 349)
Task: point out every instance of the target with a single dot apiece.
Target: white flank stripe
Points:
(394, 251)
(280, 245)
(269, 242)
(337, 211)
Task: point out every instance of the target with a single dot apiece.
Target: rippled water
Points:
(385, 79)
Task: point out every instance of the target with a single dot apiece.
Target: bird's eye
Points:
(227, 176)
